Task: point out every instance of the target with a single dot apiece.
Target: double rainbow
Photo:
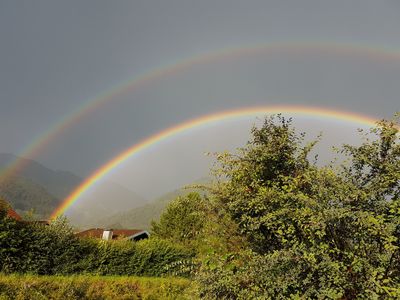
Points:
(39, 143)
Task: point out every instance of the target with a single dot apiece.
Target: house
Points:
(114, 234)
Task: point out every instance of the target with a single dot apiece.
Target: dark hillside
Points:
(57, 183)
(25, 195)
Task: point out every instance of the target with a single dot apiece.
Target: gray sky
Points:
(55, 55)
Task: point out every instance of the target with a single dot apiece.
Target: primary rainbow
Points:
(207, 119)
(40, 142)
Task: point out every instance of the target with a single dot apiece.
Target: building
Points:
(114, 234)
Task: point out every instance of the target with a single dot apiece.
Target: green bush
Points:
(183, 220)
(39, 249)
(154, 255)
(54, 249)
(147, 257)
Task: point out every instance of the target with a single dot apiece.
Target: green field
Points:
(94, 287)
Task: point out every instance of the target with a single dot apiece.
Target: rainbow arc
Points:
(207, 119)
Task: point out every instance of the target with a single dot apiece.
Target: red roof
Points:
(116, 233)
(12, 214)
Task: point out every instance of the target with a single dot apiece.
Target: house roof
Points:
(12, 214)
(117, 233)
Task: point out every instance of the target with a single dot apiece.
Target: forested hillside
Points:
(25, 195)
(35, 186)
(57, 183)
(39, 187)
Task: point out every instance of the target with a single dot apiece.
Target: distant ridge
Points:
(39, 187)
(25, 195)
(57, 183)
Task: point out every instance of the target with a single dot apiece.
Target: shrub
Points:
(54, 249)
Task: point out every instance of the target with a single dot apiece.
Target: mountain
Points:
(37, 186)
(25, 195)
(57, 183)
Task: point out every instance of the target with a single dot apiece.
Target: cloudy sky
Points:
(56, 56)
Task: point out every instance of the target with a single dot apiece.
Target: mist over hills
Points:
(39, 187)
(56, 182)
(141, 217)
(107, 199)
(24, 195)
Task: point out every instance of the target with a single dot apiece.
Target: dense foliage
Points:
(54, 249)
(4, 206)
(183, 220)
(314, 232)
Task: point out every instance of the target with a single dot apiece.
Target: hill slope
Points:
(25, 195)
(57, 183)
(39, 187)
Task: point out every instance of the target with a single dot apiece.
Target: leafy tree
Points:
(4, 206)
(314, 232)
(183, 219)
(198, 224)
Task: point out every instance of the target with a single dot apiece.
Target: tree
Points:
(4, 206)
(195, 222)
(183, 219)
(330, 232)
(267, 177)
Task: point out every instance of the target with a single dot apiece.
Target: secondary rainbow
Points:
(207, 119)
(40, 142)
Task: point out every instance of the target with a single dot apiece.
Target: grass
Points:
(94, 287)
